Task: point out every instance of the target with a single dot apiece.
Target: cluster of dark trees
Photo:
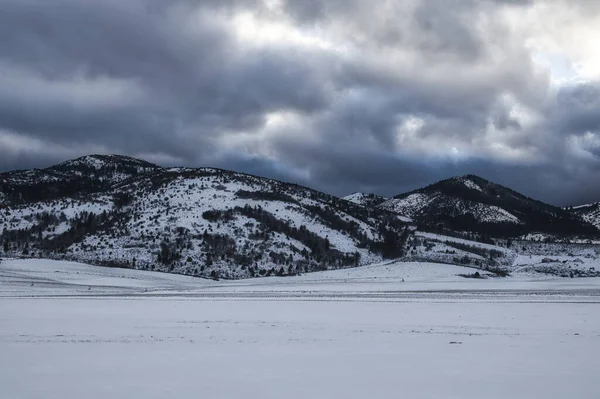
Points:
(217, 215)
(486, 253)
(393, 243)
(560, 224)
(331, 218)
(483, 237)
(81, 225)
(265, 196)
(321, 249)
(44, 189)
(122, 199)
(219, 247)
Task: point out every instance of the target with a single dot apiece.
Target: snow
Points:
(590, 213)
(63, 277)
(417, 203)
(408, 206)
(494, 214)
(585, 205)
(357, 198)
(470, 184)
(23, 217)
(389, 280)
(536, 237)
(432, 343)
(365, 199)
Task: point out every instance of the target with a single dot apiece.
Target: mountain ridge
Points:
(209, 222)
(470, 202)
(206, 222)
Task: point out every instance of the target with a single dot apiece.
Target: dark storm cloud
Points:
(195, 80)
(340, 95)
(578, 108)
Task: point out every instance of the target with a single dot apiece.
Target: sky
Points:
(339, 95)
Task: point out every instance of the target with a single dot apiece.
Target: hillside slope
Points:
(471, 203)
(590, 213)
(118, 211)
(368, 200)
(81, 176)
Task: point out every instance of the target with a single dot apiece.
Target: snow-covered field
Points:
(412, 330)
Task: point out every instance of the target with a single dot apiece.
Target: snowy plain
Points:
(414, 330)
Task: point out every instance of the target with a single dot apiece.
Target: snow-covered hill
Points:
(590, 213)
(118, 211)
(369, 200)
(471, 203)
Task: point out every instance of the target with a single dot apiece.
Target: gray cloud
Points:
(578, 108)
(339, 95)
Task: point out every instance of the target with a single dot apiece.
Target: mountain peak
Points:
(470, 176)
(472, 203)
(472, 182)
(463, 180)
(76, 177)
(98, 161)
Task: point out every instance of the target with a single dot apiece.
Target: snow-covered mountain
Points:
(368, 200)
(120, 211)
(471, 203)
(589, 212)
